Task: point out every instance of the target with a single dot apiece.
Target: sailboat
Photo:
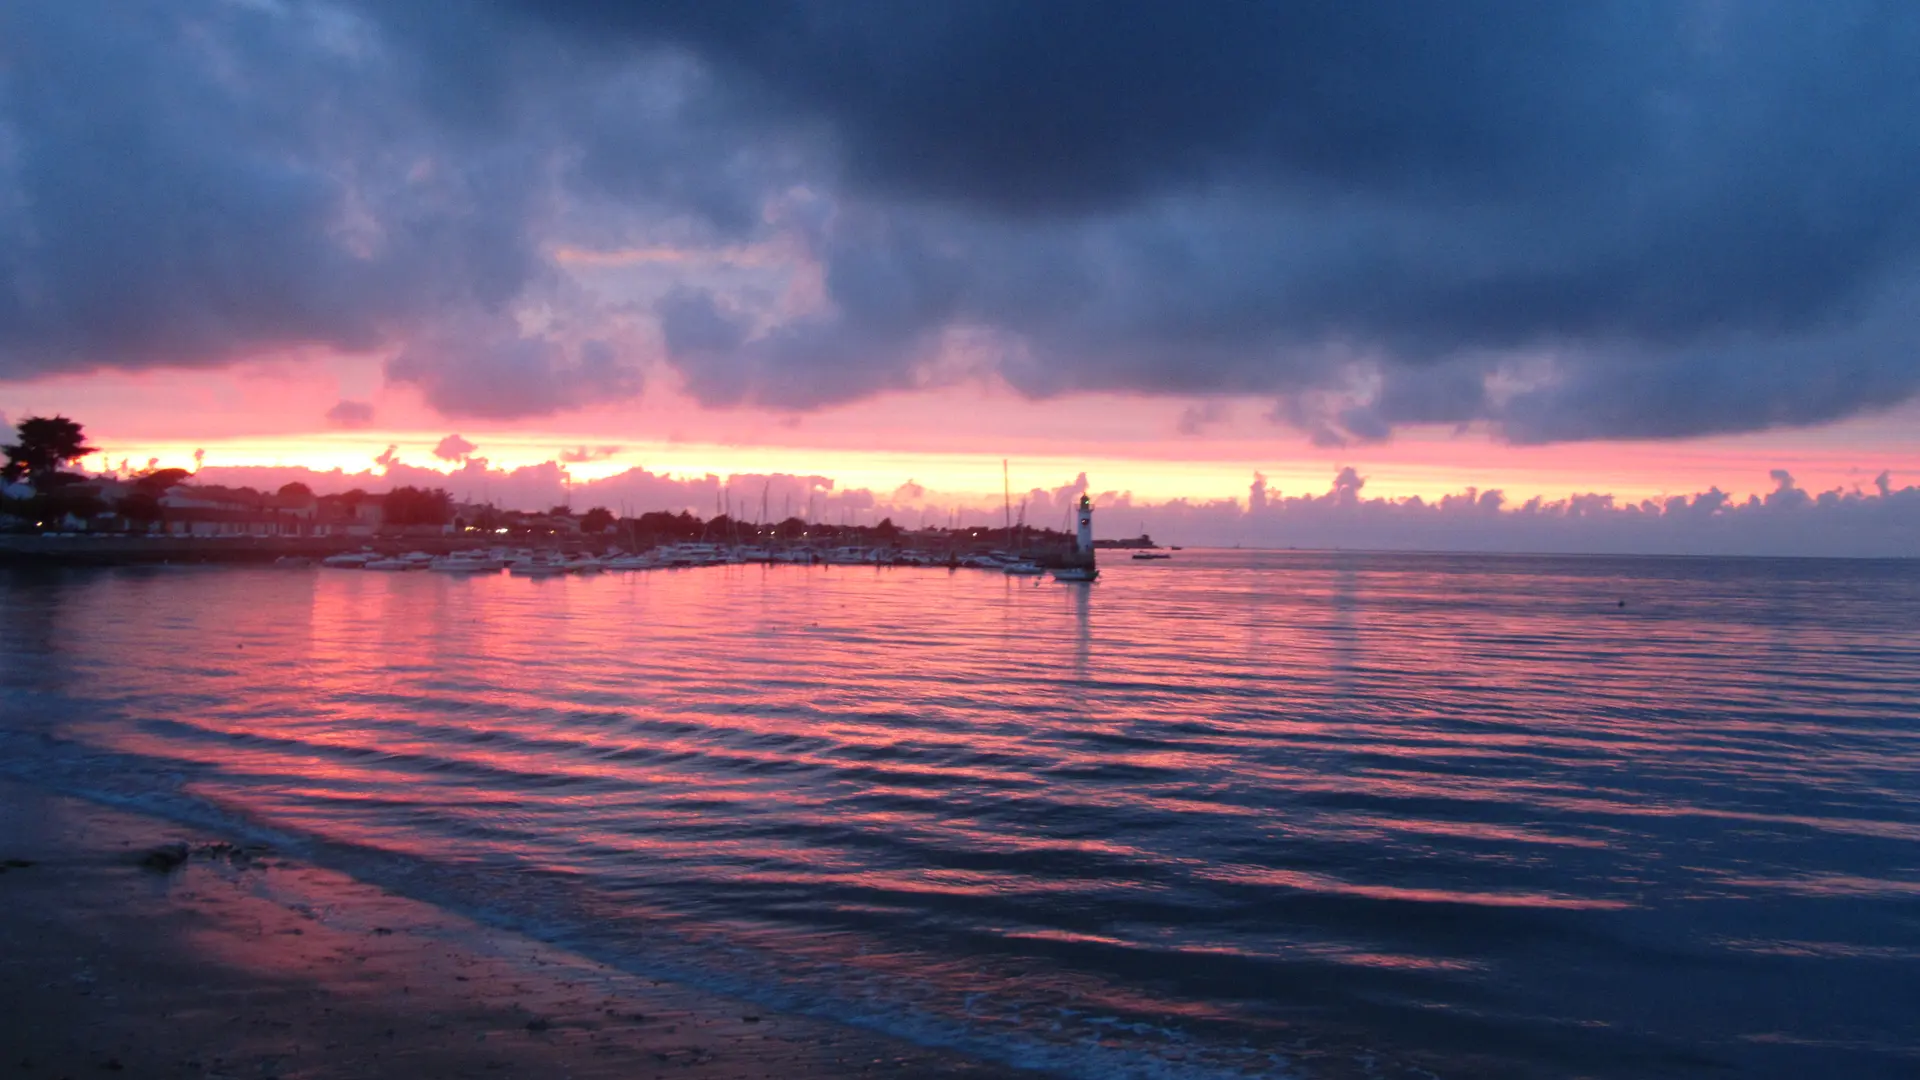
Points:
(1019, 565)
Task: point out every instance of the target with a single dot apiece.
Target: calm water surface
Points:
(1234, 814)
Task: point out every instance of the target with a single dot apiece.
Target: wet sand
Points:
(244, 964)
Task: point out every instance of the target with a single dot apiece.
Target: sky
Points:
(1218, 258)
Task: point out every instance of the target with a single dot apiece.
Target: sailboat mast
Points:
(1006, 494)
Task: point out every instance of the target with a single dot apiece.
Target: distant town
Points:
(42, 499)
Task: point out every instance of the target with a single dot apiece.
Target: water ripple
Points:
(1349, 815)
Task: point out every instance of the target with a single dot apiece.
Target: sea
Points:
(1231, 814)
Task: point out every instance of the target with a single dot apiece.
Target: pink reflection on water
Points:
(909, 749)
(1323, 883)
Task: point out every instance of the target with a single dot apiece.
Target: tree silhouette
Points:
(160, 480)
(414, 506)
(46, 443)
(142, 504)
(661, 525)
(597, 520)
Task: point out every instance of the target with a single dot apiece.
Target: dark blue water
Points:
(1234, 814)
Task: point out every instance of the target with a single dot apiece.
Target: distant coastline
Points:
(107, 549)
(158, 549)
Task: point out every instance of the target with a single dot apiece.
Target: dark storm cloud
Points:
(183, 184)
(693, 323)
(495, 372)
(1219, 193)
(1564, 220)
(1058, 106)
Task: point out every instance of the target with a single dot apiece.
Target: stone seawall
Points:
(112, 550)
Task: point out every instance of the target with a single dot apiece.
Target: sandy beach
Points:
(239, 963)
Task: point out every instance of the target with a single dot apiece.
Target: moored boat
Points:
(850, 556)
(538, 564)
(467, 562)
(349, 560)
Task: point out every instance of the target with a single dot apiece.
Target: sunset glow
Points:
(681, 292)
(1429, 463)
(1087, 539)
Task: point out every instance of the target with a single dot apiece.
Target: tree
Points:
(58, 504)
(142, 504)
(139, 505)
(414, 506)
(658, 525)
(295, 490)
(160, 481)
(46, 443)
(597, 520)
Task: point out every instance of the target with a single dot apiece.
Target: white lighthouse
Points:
(1082, 568)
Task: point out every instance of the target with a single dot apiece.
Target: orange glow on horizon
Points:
(950, 442)
(1630, 472)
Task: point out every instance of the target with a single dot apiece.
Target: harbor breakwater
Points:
(138, 550)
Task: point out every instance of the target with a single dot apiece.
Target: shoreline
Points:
(123, 550)
(119, 550)
(238, 962)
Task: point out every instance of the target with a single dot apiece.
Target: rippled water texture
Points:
(1222, 815)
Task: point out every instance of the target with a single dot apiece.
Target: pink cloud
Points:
(454, 448)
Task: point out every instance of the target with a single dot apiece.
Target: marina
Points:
(1074, 562)
(469, 552)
